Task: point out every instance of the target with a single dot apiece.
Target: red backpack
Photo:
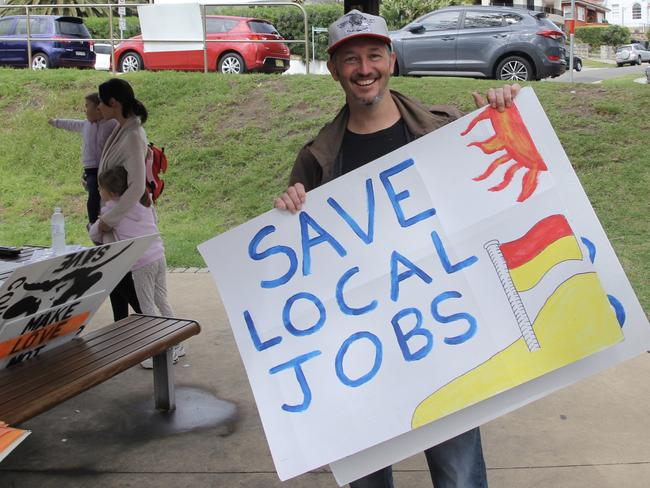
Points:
(155, 164)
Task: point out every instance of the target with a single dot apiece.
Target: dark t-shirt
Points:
(359, 149)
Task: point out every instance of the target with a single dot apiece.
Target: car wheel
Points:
(577, 65)
(514, 68)
(232, 63)
(40, 61)
(131, 61)
(620, 65)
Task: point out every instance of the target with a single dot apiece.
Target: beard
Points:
(368, 102)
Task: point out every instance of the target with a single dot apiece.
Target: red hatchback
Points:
(225, 57)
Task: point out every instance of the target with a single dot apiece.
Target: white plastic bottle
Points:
(58, 231)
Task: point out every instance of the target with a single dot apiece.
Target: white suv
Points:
(632, 54)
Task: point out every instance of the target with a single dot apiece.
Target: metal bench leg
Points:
(163, 381)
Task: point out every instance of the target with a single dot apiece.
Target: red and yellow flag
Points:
(548, 243)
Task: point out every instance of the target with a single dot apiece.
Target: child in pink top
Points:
(150, 271)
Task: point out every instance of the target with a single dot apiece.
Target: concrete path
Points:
(595, 434)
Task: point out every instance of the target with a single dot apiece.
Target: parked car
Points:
(493, 42)
(225, 57)
(72, 47)
(577, 62)
(632, 54)
(102, 56)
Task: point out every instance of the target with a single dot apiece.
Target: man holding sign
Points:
(376, 121)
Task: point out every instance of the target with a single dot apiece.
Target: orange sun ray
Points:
(511, 136)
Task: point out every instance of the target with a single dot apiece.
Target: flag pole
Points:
(517, 306)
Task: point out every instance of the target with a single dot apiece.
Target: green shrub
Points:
(99, 29)
(612, 35)
(615, 35)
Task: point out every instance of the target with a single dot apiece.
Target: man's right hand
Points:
(292, 199)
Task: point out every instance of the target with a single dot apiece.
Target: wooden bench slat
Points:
(95, 358)
(145, 344)
(59, 353)
(39, 384)
(70, 350)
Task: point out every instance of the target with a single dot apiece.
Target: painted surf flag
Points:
(548, 243)
(522, 263)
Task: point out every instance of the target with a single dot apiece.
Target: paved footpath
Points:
(595, 434)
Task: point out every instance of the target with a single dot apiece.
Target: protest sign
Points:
(459, 267)
(46, 303)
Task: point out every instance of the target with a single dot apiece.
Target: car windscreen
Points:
(70, 27)
(262, 27)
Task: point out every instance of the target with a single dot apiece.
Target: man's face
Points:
(363, 67)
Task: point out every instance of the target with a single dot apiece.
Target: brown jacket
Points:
(318, 161)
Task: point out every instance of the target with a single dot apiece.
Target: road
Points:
(595, 75)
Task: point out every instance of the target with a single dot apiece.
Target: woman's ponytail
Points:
(140, 110)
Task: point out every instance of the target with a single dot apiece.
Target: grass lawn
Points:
(231, 142)
(627, 80)
(595, 63)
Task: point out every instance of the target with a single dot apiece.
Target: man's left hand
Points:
(498, 98)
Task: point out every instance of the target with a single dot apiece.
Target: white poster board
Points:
(407, 296)
(46, 303)
(171, 23)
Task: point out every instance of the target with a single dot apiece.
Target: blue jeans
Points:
(456, 463)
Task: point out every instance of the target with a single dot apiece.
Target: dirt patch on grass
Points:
(255, 110)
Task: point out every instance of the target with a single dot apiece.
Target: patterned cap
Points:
(356, 24)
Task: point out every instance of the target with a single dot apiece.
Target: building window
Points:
(567, 11)
(636, 11)
(581, 13)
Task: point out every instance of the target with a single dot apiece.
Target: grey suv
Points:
(504, 43)
(632, 54)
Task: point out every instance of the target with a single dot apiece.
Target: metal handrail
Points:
(205, 41)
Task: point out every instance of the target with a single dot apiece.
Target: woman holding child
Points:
(127, 211)
(126, 147)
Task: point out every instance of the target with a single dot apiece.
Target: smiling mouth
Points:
(365, 82)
